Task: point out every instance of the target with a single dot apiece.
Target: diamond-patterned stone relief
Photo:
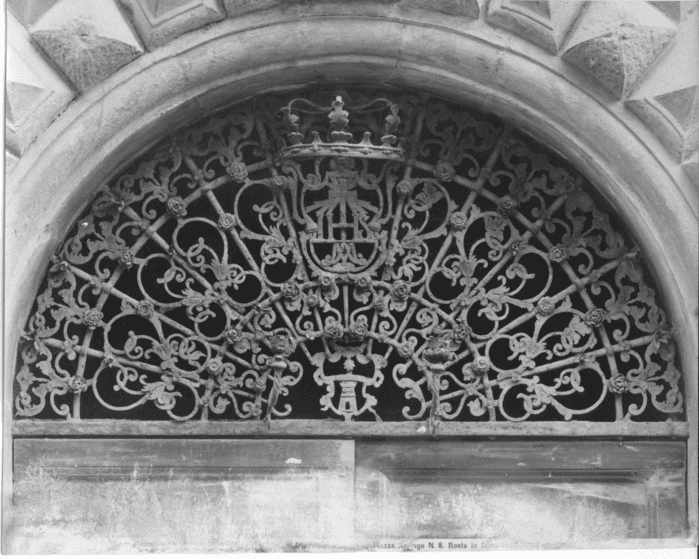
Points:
(545, 22)
(88, 40)
(627, 47)
(160, 21)
(35, 92)
(615, 42)
(28, 12)
(667, 98)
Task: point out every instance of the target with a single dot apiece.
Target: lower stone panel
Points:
(226, 495)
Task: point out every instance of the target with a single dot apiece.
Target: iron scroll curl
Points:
(391, 258)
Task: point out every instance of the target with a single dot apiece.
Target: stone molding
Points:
(465, 59)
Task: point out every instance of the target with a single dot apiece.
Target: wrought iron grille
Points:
(267, 264)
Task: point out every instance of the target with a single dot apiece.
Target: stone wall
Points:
(641, 55)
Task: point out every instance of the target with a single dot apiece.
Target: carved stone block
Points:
(28, 12)
(158, 22)
(36, 92)
(89, 41)
(546, 23)
(667, 98)
(615, 42)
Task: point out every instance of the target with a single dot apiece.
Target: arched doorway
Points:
(450, 280)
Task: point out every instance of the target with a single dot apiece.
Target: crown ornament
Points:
(340, 141)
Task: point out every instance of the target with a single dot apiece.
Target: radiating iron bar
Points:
(407, 172)
(555, 298)
(111, 290)
(241, 246)
(478, 188)
(458, 179)
(152, 234)
(206, 186)
(486, 382)
(211, 197)
(568, 269)
(207, 394)
(264, 141)
(243, 249)
(251, 262)
(390, 341)
(573, 360)
(509, 255)
(417, 298)
(87, 337)
(58, 344)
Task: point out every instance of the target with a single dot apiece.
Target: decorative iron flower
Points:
(438, 355)
(145, 308)
(256, 410)
(58, 265)
(233, 335)
(215, 366)
(379, 303)
(594, 317)
(545, 306)
(259, 385)
(516, 246)
(327, 282)
(280, 183)
(363, 282)
(92, 318)
(126, 258)
(176, 207)
(444, 171)
(559, 253)
(290, 290)
(226, 221)
(238, 171)
(282, 344)
(359, 329)
(462, 332)
(569, 184)
(618, 384)
(334, 330)
(312, 300)
(507, 206)
(77, 384)
(400, 291)
(458, 220)
(405, 187)
(312, 180)
(404, 350)
(480, 365)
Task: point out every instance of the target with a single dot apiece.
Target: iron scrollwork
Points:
(450, 263)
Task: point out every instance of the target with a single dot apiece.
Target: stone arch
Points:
(212, 68)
